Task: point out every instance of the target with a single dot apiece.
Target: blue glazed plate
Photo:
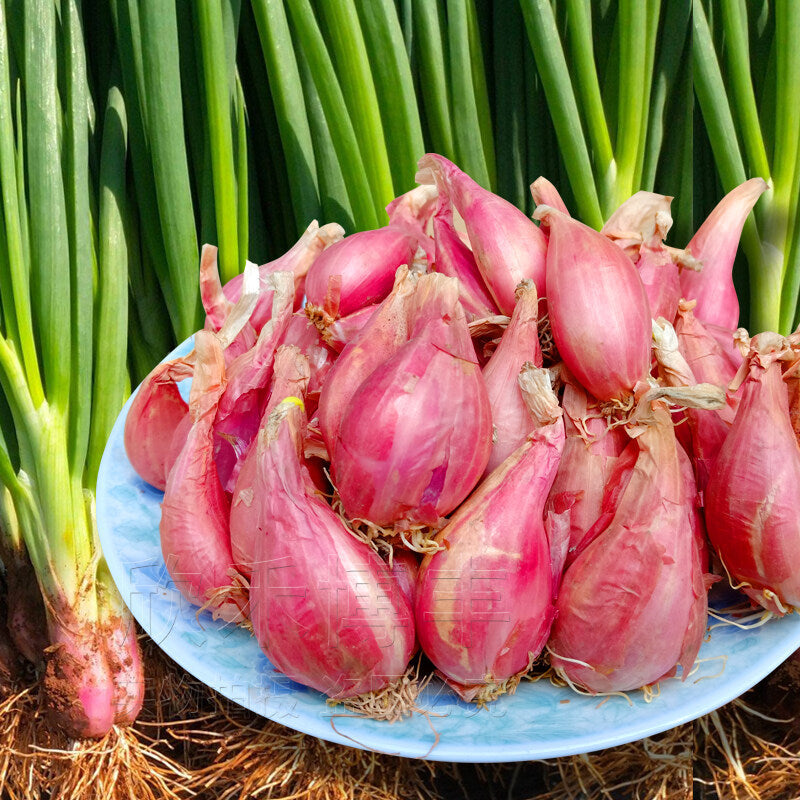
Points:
(538, 721)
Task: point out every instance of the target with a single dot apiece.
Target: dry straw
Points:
(191, 743)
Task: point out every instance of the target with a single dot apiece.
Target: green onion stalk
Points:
(63, 321)
(612, 75)
(746, 63)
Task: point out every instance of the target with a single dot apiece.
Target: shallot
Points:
(508, 247)
(599, 312)
(484, 602)
(325, 608)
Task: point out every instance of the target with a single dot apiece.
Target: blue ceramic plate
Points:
(538, 721)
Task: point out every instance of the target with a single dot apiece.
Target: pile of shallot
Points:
(491, 439)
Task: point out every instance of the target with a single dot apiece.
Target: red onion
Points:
(511, 419)
(715, 245)
(753, 493)
(195, 541)
(628, 601)
(416, 434)
(360, 270)
(325, 609)
(485, 602)
(508, 247)
(599, 313)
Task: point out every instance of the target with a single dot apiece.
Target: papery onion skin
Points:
(508, 247)
(635, 220)
(703, 353)
(303, 334)
(325, 609)
(627, 603)
(195, 540)
(661, 280)
(157, 410)
(485, 602)
(753, 493)
(599, 312)
(704, 430)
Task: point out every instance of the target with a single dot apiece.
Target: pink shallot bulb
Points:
(415, 436)
(485, 601)
(380, 338)
(707, 428)
(124, 660)
(303, 334)
(325, 608)
(629, 600)
(599, 312)
(343, 330)
(454, 258)
(511, 419)
(714, 246)
(157, 410)
(297, 260)
(360, 269)
(195, 540)
(707, 360)
(545, 194)
(753, 493)
(405, 569)
(290, 379)
(248, 379)
(660, 276)
(590, 453)
(508, 247)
